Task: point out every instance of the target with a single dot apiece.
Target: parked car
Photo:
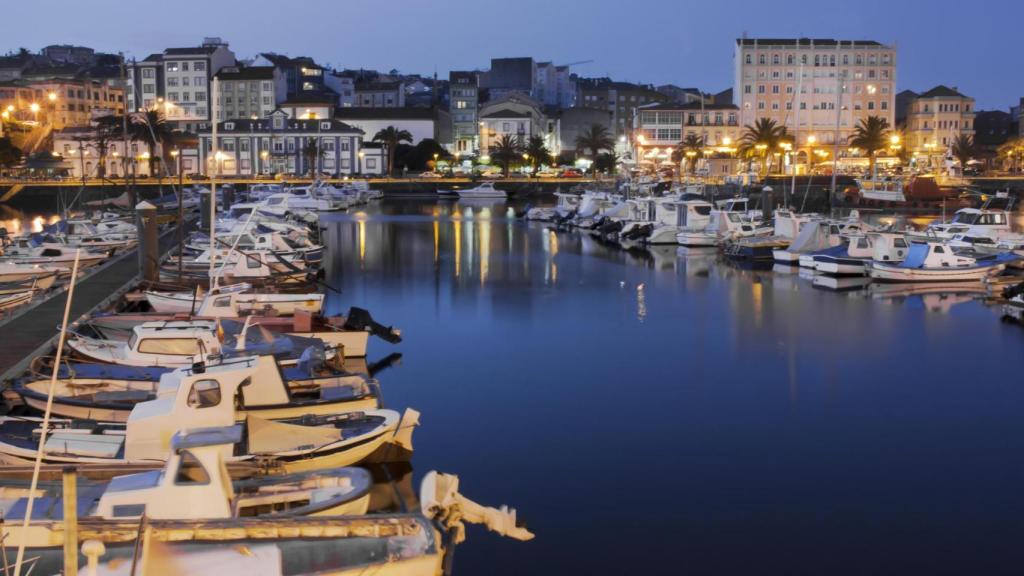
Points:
(430, 174)
(571, 173)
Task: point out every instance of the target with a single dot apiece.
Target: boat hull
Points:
(889, 273)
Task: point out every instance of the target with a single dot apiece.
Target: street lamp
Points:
(34, 107)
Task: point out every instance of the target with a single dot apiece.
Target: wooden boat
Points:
(15, 299)
(203, 397)
(20, 272)
(193, 486)
(413, 538)
(938, 262)
(185, 342)
(40, 283)
(349, 334)
(232, 301)
(108, 393)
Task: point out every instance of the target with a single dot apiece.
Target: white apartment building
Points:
(853, 79)
(252, 92)
(187, 74)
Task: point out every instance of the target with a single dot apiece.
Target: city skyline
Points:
(654, 41)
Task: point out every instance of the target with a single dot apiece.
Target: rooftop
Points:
(805, 42)
(384, 113)
(250, 73)
(941, 91)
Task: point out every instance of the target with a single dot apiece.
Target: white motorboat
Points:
(817, 235)
(851, 257)
(938, 262)
(26, 251)
(565, 205)
(970, 221)
(484, 190)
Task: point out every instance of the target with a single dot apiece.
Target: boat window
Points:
(862, 243)
(999, 219)
(190, 470)
(940, 250)
(222, 302)
(965, 218)
(702, 210)
(275, 201)
(204, 394)
(899, 243)
(51, 252)
(170, 346)
(253, 262)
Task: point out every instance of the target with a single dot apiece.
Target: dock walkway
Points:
(34, 329)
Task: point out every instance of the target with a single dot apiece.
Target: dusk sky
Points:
(971, 45)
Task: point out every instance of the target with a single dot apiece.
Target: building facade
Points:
(848, 79)
(145, 82)
(659, 128)
(79, 149)
(187, 74)
(375, 94)
(60, 102)
(935, 118)
(279, 144)
(463, 103)
(621, 99)
(515, 115)
(250, 92)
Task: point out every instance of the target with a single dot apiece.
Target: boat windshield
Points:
(965, 218)
(702, 210)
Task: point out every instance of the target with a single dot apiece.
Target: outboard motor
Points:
(360, 319)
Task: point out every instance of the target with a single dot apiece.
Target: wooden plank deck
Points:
(33, 330)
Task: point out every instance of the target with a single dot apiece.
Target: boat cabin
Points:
(887, 246)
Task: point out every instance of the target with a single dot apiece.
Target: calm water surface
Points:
(666, 413)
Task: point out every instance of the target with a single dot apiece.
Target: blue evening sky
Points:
(972, 45)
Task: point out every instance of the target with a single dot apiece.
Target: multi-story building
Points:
(658, 128)
(619, 98)
(145, 81)
(252, 92)
(554, 85)
(279, 144)
(80, 150)
(680, 95)
(935, 118)
(60, 102)
(515, 115)
(378, 94)
(187, 73)
(848, 79)
(344, 86)
(463, 102)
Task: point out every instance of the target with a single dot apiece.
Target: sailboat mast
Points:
(796, 137)
(839, 113)
(215, 149)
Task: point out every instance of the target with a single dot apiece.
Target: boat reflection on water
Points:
(934, 296)
(840, 283)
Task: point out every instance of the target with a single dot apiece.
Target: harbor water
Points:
(664, 412)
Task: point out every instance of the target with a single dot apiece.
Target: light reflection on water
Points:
(718, 420)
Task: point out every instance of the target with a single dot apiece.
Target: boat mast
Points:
(214, 111)
(839, 113)
(796, 136)
(46, 416)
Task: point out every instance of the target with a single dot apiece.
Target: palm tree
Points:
(106, 132)
(871, 135)
(1011, 150)
(606, 162)
(311, 152)
(964, 150)
(762, 138)
(153, 130)
(538, 152)
(595, 139)
(505, 151)
(692, 143)
(392, 137)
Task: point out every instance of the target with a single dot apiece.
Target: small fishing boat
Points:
(970, 221)
(39, 283)
(938, 262)
(204, 396)
(108, 393)
(193, 485)
(232, 301)
(15, 299)
(31, 252)
(185, 342)
(815, 236)
(20, 272)
(565, 205)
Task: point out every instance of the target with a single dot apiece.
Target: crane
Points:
(576, 63)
